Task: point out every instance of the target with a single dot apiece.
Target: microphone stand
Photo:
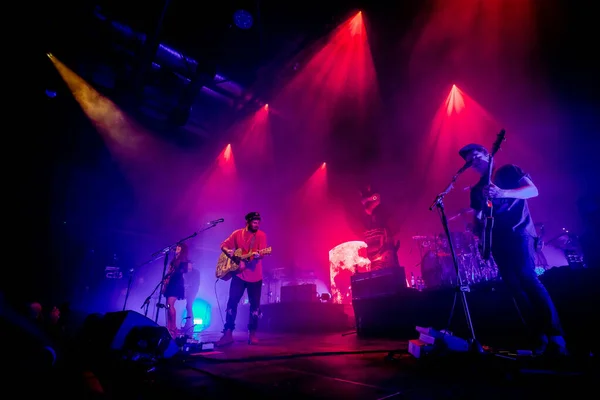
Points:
(146, 303)
(165, 251)
(438, 203)
(130, 281)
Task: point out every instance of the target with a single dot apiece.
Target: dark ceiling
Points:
(110, 43)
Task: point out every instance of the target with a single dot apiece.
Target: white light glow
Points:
(345, 259)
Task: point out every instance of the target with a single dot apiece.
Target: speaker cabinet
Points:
(131, 331)
(377, 283)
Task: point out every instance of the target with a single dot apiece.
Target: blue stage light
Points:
(243, 19)
(202, 314)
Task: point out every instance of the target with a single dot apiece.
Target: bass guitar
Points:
(227, 266)
(487, 216)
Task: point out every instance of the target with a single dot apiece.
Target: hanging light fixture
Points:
(243, 19)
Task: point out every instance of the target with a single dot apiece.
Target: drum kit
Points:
(437, 267)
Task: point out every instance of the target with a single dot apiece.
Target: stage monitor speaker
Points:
(131, 331)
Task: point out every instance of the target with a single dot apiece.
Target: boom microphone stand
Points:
(130, 281)
(164, 252)
(462, 287)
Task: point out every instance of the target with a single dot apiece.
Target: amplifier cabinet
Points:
(299, 293)
(381, 282)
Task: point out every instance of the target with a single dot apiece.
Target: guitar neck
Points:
(245, 256)
(495, 148)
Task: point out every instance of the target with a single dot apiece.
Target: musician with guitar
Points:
(507, 233)
(245, 248)
(174, 285)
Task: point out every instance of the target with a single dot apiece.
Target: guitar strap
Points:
(252, 242)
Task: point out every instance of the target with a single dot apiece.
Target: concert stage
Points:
(496, 319)
(373, 363)
(337, 366)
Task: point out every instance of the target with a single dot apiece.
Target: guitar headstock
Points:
(501, 137)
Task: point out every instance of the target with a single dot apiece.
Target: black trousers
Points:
(515, 256)
(236, 291)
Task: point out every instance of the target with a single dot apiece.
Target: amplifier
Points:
(299, 293)
(381, 282)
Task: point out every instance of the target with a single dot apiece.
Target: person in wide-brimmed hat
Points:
(513, 244)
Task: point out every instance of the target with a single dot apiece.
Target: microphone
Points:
(465, 167)
(216, 221)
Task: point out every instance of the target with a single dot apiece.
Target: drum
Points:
(438, 270)
(463, 242)
(551, 256)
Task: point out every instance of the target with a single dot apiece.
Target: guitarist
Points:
(248, 277)
(513, 245)
(174, 285)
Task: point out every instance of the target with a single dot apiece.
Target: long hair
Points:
(183, 255)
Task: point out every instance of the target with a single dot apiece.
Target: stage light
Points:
(243, 19)
(202, 313)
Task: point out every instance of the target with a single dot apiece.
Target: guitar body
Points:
(486, 232)
(226, 266)
(229, 266)
(487, 217)
(167, 279)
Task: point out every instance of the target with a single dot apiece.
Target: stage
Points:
(314, 351)
(338, 366)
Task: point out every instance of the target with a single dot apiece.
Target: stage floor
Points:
(344, 366)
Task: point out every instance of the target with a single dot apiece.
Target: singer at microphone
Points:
(511, 240)
(465, 167)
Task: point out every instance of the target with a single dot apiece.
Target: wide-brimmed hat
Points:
(471, 147)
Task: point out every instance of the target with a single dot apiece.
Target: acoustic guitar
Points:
(488, 209)
(227, 266)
